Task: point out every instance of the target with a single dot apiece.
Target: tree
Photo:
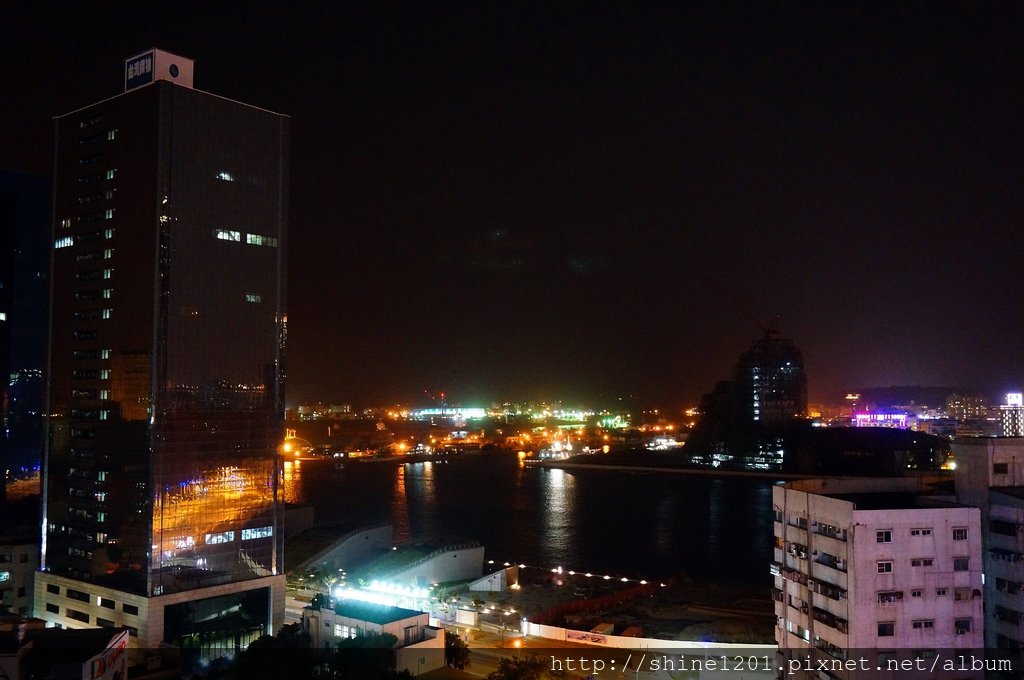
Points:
(320, 601)
(365, 657)
(527, 668)
(456, 651)
(287, 655)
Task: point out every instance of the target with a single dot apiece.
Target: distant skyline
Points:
(532, 202)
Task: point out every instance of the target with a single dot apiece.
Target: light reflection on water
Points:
(642, 525)
(557, 521)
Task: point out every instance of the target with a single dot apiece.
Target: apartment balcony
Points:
(837, 608)
(831, 620)
(829, 571)
(829, 544)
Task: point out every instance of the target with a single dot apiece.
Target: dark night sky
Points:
(589, 202)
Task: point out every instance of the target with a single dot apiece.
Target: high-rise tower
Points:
(166, 362)
(771, 386)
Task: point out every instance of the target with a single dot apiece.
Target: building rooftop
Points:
(374, 613)
(892, 501)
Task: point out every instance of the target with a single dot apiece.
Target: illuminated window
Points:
(99, 496)
(227, 235)
(108, 233)
(104, 394)
(260, 240)
(111, 135)
(110, 173)
(261, 532)
(108, 253)
(222, 537)
(106, 313)
(253, 297)
(225, 176)
(104, 354)
(64, 242)
(5, 576)
(102, 538)
(104, 374)
(107, 273)
(101, 476)
(107, 293)
(108, 214)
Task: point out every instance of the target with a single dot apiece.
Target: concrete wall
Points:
(297, 518)
(353, 549)
(497, 581)
(620, 642)
(455, 565)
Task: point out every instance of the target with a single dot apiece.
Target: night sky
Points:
(600, 201)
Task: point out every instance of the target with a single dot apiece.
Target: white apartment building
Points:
(874, 565)
(419, 647)
(990, 474)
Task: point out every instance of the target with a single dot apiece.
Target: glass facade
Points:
(167, 342)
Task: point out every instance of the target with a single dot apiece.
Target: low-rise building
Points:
(29, 650)
(19, 560)
(874, 564)
(420, 646)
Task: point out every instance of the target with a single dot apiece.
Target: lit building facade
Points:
(1011, 415)
(990, 474)
(166, 362)
(883, 418)
(964, 407)
(870, 564)
(771, 386)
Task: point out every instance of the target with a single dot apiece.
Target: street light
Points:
(504, 616)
